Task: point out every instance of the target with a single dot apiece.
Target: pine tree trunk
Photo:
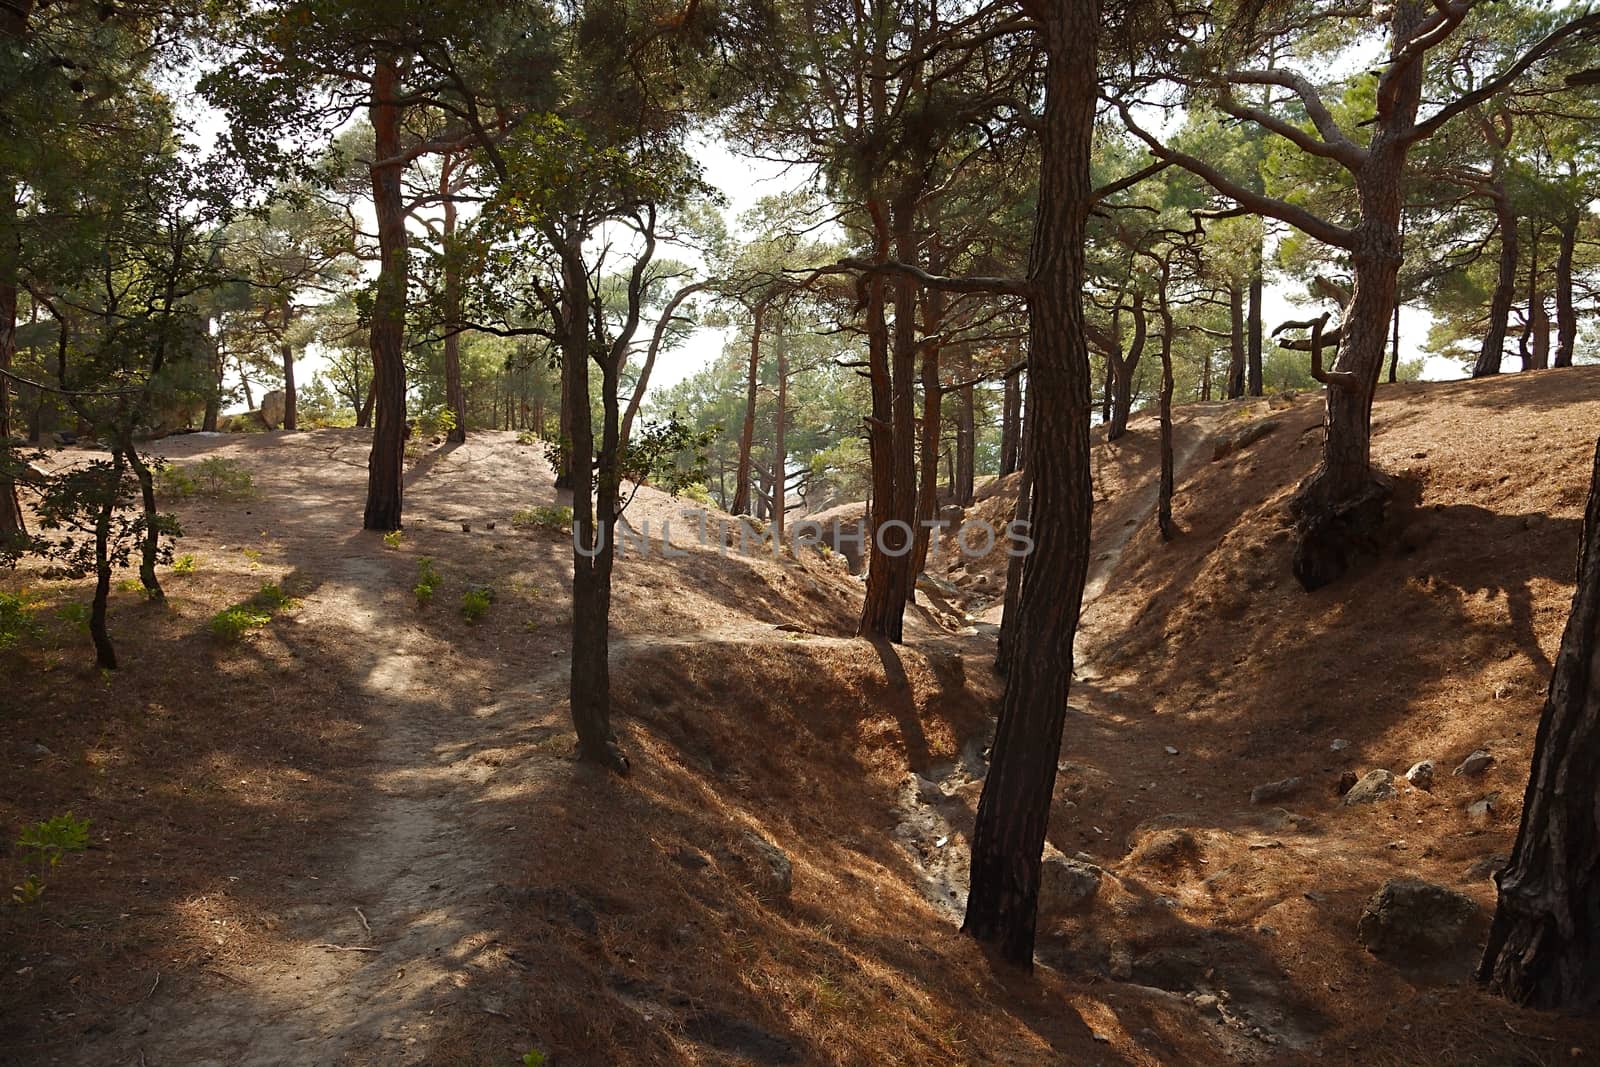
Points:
(1014, 811)
(1011, 425)
(151, 548)
(455, 399)
(105, 654)
(1164, 495)
(1545, 937)
(1126, 367)
(1505, 289)
(1237, 357)
(747, 432)
(291, 416)
(780, 459)
(966, 475)
(386, 465)
(932, 427)
(11, 521)
(1253, 327)
(1566, 314)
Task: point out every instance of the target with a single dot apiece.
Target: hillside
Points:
(358, 836)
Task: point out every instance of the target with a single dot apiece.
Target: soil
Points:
(358, 836)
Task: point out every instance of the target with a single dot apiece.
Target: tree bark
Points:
(932, 426)
(780, 461)
(964, 482)
(1545, 936)
(11, 520)
(1253, 327)
(386, 465)
(1164, 495)
(455, 399)
(1126, 367)
(151, 549)
(1237, 357)
(291, 417)
(105, 653)
(747, 433)
(1011, 425)
(1014, 811)
(1505, 289)
(1566, 314)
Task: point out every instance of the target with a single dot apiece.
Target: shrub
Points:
(557, 518)
(475, 602)
(528, 437)
(231, 624)
(75, 614)
(43, 844)
(214, 477)
(435, 422)
(697, 492)
(185, 564)
(270, 597)
(16, 619)
(393, 538)
(427, 581)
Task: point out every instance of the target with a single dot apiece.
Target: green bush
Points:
(697, 492)
(393, 538)
(427, 581)
(185, 564)
(75, 614)
(557, 518)
(270, 597)
(528, 437)
(231, 624)
(435, 422)
(214, 477)
(475, 602)
(16, 619)
(43, 844)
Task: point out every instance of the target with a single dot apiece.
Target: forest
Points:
(749, 532)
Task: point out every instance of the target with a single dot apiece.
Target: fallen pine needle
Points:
(364, 925)
(345, 948)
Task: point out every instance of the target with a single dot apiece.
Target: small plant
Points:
(435, 422)
(231, 624)
(130, 585)
(528, 437)
(215, 477)
(43, 844)
(697, 492)
(546, 518)
(270, 598)
(16, 619)
(475, 602)
(427, 581)
(75, 614)
(393, 538)
(533, 1058)
(185, 564)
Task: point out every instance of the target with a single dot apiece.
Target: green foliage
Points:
(214, 477)
(270, 598)
(697, 492)
(393, 538)
(533, 1058)
(43, 844)
(17, 623)
(435, 422)
(76, 615)
(670, 454)
(529, 438)
(475, 602)
(558, 519)
(185, 564)
(427, 581)
(231, 624)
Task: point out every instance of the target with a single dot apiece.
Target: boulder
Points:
(1482, 810)
(767, 866)
(274, 407)
(1415, 918)
(1166, 849)
(1474, 765)
(1272, 792)
(1066, 884)
(1372, 787)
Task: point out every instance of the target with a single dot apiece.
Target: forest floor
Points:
(358, 835)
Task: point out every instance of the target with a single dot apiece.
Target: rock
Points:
(926, 790)
(1066, 884)
(690, 859)
(1414, 917)
(1171, 751)
(273, 409)
(1120, 963)
(1347, 782)
(1272, 792)
(1226, 446)
(1166, 849)
(1339, 744)
(930, 584)
(1486, 868)
(66, 438)
(1474, 765)
(1372, 787)
(1421, 775)
(771, 872)
(1482, 810)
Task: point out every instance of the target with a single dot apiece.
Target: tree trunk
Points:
(966, 472)
(386, 465)
(564, 422)
(151, 549)
(1505, 290)
(1127, 366)
(1011, 425)
(1545, 936)
(747, 433)
(1338, 511)
(1006, 640)
(1014, 811)
(455, 399)
(364, 412)
(932, 426)
(1164, 497)
(780, 459)
(105, 655)
(11, 522)
(1394, 349)
(1253, 327)
(1566, 315)
(1237, 358)
(291, 417)
(593, 540)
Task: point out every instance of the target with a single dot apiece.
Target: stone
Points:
(1482, 810)
(769, 866)
(1485, 869)
(274, 407)
(1415, 918)
(930, 584)
(1066, 884)
(1339, 744)
(1474, 765)
(1272, 792)
(1372, 787)
(1421, 775)
(926, 790)
(1171, 750)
